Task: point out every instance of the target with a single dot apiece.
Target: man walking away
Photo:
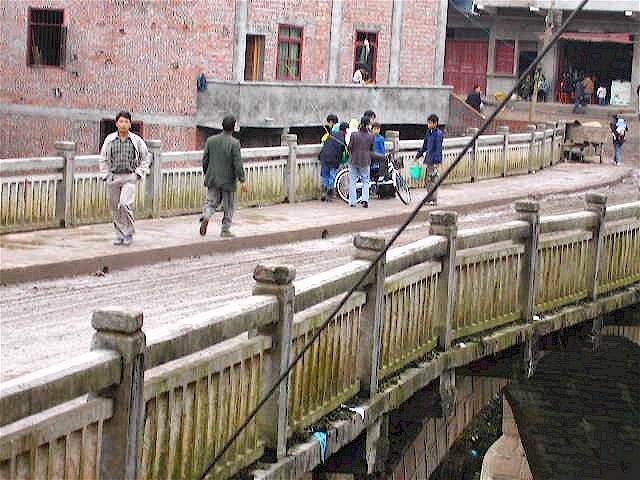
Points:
(474, 98)
(589, 87)
(618, 131)
(578, 106)
(222, 167)
(330, 156)
(124, 161)
(360, 146)
(432, 149)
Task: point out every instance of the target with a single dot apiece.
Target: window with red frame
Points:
(505, 56)
(289, 52)
(364, 59)
(47, 37)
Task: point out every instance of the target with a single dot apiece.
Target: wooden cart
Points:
(586, 142)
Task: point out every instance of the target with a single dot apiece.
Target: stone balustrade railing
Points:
(162, 406)
(66, 190)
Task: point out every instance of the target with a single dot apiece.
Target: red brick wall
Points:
(365, 15)
(419, 35)
(34, 136)
(122, 55)
(314, 17)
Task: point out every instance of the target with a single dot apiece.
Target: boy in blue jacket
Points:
(432, 149)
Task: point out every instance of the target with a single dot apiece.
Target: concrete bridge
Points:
(160, 404)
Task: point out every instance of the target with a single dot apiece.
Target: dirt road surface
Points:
(49, 321)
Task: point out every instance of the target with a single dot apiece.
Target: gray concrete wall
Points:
(282, 104)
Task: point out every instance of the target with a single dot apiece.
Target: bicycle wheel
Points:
(342, 185)
(402, 189)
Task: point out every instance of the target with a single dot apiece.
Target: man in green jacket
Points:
(222, 167)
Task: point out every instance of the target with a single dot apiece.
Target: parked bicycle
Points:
(386, 181)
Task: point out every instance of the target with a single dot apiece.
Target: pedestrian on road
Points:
(474, 98)
(432, 150)
(360, 147)
(222, 168)
(124, 161)
(580, 100)
(618, 131)
(330, 157)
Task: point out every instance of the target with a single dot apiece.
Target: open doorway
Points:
(605, 62)
(366, 52)
(254, 58)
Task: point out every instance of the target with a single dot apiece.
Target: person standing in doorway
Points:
(602, 95)
(124, 162)
(360, 147)
(222, 168)
(432, 150)
(589, 87)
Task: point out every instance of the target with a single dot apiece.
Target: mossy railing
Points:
(67, 190)
(197, 381)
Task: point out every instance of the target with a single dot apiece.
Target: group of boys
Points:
(335, 147)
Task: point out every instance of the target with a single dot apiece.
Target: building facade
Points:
(496, 40)
(69, 65)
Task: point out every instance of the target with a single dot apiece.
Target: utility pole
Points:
(550, 22)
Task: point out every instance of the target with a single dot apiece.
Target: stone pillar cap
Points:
(369, 242)
(527, 206)
(115, 319)
(595, 198)
(278, 275)
(65, 145)
(154, 143)
(503, 129)
(290, 137)
(531, 127)
(444, 218)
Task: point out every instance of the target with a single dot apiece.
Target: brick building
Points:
(69, 65)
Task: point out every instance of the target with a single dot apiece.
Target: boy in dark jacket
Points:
(432, 147)
(330, 156)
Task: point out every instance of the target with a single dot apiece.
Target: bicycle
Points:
(385, 182)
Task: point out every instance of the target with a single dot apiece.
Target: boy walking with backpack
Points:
(432, 149)
(330, 157)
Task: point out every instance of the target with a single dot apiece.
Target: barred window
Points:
(289, 53)
(47, 37)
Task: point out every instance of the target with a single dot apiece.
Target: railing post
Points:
(64, 197)
(120, 330)
(291, 174)
(542, 127)
(474, 154)
(445, 224)
(529, 211)
(504, 131)
(393, 136)
(532, 130)
(562, 126)
(273, 419)
(596, 203)
(153, 190)
(368, 247)
(552, 153)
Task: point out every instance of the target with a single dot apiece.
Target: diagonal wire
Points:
(388, 245)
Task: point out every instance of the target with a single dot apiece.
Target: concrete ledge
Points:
(305, 457)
